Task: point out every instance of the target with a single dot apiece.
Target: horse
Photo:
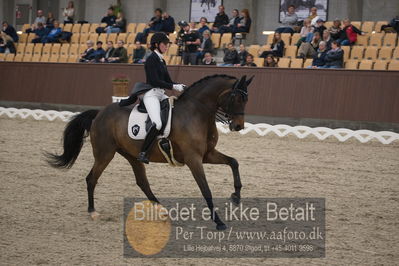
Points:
(193, 137)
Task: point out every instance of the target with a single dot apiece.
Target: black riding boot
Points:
(147, 145)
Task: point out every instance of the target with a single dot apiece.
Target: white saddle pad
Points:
(136, 125)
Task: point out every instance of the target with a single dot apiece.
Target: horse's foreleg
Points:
(197, 169)
(216, 157)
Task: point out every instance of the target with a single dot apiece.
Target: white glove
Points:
(179, 87)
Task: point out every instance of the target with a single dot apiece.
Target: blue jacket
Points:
(54, 33)
(168, 25)
(319, 59)
(11, 31)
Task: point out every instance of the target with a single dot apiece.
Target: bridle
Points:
(225, 111)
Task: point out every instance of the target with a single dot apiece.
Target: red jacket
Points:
(351, 33)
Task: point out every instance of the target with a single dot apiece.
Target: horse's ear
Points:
(240, 83)
(250, 80)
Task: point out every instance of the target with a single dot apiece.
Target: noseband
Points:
(226, 111)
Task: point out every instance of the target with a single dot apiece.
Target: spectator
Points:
(193, 26)
(50, 20)
(327, 39)
(119, 26)
(138, 54)
(349, 33)
(249, 62)
(6, 43)
(289, 21)
(308, 49)
(119, 55)
(155, 25)
(109, 52)
(393, 26)
(40, 18)
(277, 47)
(89, 53)
(335, 30)
(205, 46)
(69, 13)
(270, 61)
(319, 59)
(191, 41)
(109, 19)
(334, 57)
(235, 19)
(220, 19)
(10, 31)
(40, 31)
(203, 27)
(242, 54)
(99, 53)
(230, 56)
(319, 27)
(305, 30)
(54, 34)
(245, 22)
(313, 16)
(208, 59)
(148, 52)
(168, 23)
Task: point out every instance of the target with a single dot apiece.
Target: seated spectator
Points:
(319, 59)
(393, 26)
(155, 25)
(99, 53)
(277, 47)
(138, 54)
(10, 31)
(313, 16)
(202, 25)
(89, 53)
(109, 53)
(50, 20)
(40, 31)
(109, 19)
(230, 56)
(206, 45)
(305, 30)
(191, 41)
(208, 59)
(53, 35)
(270, 61)
(334, 57)
(69, 13)
(193, 26)
(327, 39)
(168, 23)
(289, 21)
(308, 49)
(335, 30)
(349, 34)
(244, 24)
(221, 19)
(119, 25)
(40, 18)
(242, 54)
(119, 55)
(235, 19)
(148, 52)
(249, 62)
(6, 44)
(319, 27)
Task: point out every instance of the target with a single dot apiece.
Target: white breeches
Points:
(152, 99)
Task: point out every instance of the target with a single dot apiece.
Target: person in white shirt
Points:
(69, 13)
(40, 18)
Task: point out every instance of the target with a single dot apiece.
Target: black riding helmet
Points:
(157, 38)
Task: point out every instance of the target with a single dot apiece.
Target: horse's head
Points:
(234, 103)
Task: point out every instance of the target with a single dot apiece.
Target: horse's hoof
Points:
(235, 199)
(94, 215)
(221, 227)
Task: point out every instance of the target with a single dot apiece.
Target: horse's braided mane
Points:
(205, 79)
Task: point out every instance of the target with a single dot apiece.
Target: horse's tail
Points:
(74, 135)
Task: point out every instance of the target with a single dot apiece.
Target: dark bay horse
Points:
(193, 136)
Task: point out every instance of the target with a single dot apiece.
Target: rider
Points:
(158, 78)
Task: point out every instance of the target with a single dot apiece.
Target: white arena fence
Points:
(321, 133)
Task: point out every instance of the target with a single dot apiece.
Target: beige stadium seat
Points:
(74, 49)
(31, 36)
(93, 27)
(177, 60)
(64, 49)
(122, 36)
(173, 37)
(371, 53)
(393, 65)
(54, 58)
(259, 62)
(357, 52)
(367, 26)
(83, 38)
(380, 65)
(328, 24)
(68, 27)
(131, 27)
(27, 58)
(113, 37)
(38, 48)
(378, 25)
(284, 62)
(9, 58)
(47, 49)
(167, 59)
(75, 38)
(366, 64)
(2, 57)
(62, 26)
(291, 51)
(357, 24)
(72, 59)
(149, 37)
(25, 27)
(173, 49)
(351, 64)
(296, 63)
(263, 48)
(308, 63)
(362, 40)
(269, 39)
(81, 49)
(85, 28)
(253, 49)
(18, 58)
(140, 27)
(286, 37)
(385, 53)
(55, 50)
(347, 52)
(45, 58)
(216, 40)
(376, 39)
(21, 48)
(102, 37)
(390, 39)
(225, 39)
(29, 48)
(295, 38)
(23, 38)
(103, 25)
(94, 37)
(36, 58)
(130, 50)
(396, 53)
(130, 38)
(76, 28)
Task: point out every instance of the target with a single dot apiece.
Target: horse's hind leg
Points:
(216, 157)
(141, 176)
